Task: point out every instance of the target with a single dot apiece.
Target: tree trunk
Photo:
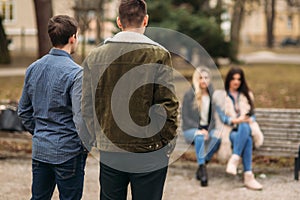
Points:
(236, 22)
(205, 5)
(4, 53)
(294, 3)
(270, 17)
(43, 10)
(219, 8)
(100, 21)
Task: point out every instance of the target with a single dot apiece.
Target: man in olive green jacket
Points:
(129, 102)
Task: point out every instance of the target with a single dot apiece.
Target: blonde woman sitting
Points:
(196, 118)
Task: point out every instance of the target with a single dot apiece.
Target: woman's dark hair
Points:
(132, 13)
(61, 28)
(244, 89)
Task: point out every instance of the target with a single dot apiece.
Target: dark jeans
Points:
(144, 186)
(68, 177)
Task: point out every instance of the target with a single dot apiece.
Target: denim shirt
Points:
(52, 85)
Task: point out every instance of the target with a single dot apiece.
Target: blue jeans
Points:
(242, 144)
(204, 149)
(68, 176)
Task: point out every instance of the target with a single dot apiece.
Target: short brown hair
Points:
(132, 13)
(61, 28)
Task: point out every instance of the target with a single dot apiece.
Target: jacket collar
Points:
(59, 52)
(132, 37)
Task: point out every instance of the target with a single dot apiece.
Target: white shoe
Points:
(250, 181)
(232, 164)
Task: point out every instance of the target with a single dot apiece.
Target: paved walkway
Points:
(250, 58)
(4, 72)
(15, 181)
(270, 57)
(278, 182)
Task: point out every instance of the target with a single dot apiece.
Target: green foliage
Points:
(159, 11)
(195, 5)
(187, 17)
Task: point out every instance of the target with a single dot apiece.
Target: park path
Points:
(5, 72)
(270, 57)
(278, 182)
(249, 58)
(15, 181)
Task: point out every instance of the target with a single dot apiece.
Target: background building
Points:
(20, 22)
(286, 24)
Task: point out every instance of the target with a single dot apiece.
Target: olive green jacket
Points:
(128, 97)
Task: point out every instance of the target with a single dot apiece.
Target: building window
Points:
(290, 22)
(7, 10)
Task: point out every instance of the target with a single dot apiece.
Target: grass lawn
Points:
(274, 86)
(11, 88)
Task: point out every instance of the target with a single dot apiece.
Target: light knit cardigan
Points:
(221, 99)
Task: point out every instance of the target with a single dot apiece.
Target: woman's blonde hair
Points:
(195, 81)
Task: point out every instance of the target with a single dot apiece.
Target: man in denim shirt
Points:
(49, 109)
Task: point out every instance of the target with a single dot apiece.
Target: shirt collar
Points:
(59, 52)
(132, 37)
(231, 97)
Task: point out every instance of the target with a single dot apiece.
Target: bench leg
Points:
(296, 169)
(297, 166)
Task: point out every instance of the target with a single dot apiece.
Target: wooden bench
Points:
(281, 128)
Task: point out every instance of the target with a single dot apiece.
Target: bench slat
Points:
(279, 127)
(265, 113)
(272, 131)
(277, 115)
(281, 144)
(278, 154)
(278, 150)
(272, 139)
(280, 121)
(293, 123)
(282, 135)
(278, 147)
(276, 110)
